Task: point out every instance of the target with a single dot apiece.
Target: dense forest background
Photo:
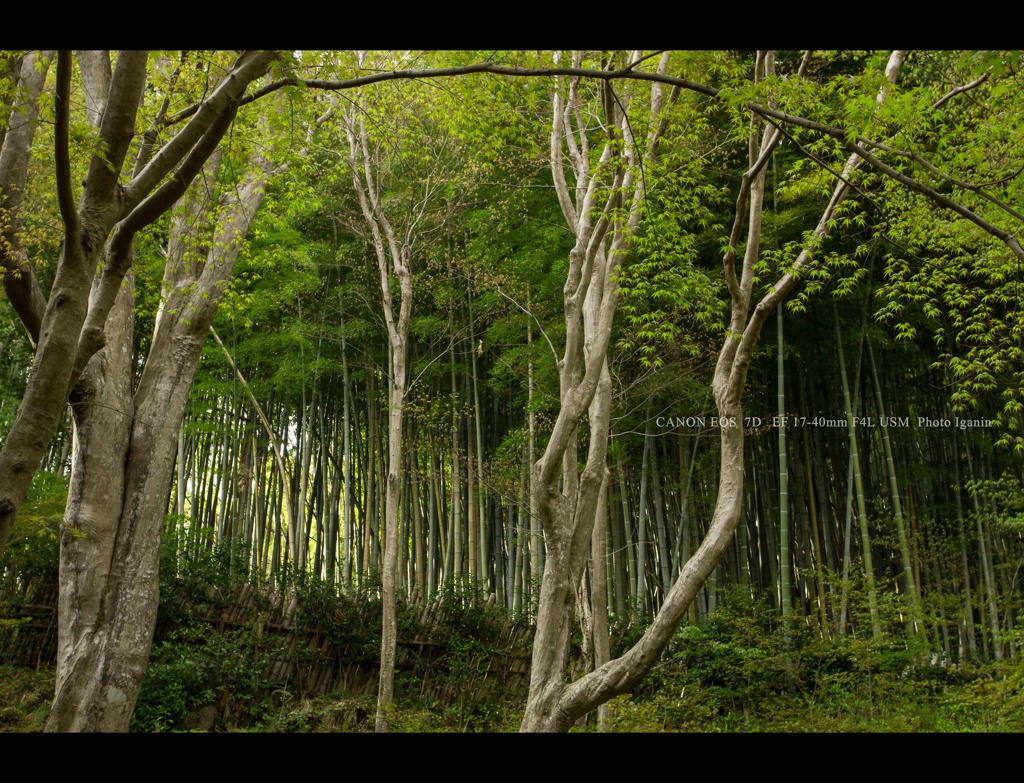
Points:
(882, 471)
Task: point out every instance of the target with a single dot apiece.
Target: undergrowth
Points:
(745, 670)
(204, 676)
(741, 670)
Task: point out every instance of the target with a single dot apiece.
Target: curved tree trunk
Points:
(553, 704)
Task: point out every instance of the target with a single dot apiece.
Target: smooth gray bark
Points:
(124, 464)
(554, 705)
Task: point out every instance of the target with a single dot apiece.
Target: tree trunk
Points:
(110, 546)
(785, 586)
(72, 327)
(552, 704)
(858, 484)
(910, 584)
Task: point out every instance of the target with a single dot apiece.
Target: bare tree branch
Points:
(960, 90)
(62, 157)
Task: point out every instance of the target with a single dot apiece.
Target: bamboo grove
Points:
(466, 518)
(882, 470)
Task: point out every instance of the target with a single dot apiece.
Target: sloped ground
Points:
(741, 671)
(682, 696)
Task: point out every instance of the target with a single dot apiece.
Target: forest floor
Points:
(25, 696)
(979, 701)
(742, 669)
(739, 671)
